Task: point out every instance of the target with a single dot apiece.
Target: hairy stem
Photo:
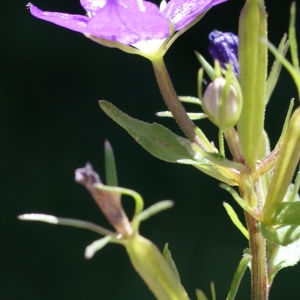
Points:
(174, 105)
(259, 276)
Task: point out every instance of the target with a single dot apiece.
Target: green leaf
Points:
(235, 219)
(287, 214)
(292, 37)
(168, 257)
(163, 143)
(276, 68)
(110, 165)
(239, 273)
(158, 140)
(283, 235)
(282, 257)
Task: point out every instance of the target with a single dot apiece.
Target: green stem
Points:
(171, 100)
(259, 276)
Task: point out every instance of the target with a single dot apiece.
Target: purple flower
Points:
(224, 48)
(128, 21)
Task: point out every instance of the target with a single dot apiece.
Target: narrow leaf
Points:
(292, 37)
(238, 275)
(276, 68)
(110, 165)
(158, 140)
(235, 220)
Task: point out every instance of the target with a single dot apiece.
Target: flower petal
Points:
(183, 12)
(92, 5)
(127, 25)
(74, 22)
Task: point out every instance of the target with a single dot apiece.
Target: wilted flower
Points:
(108, 201)
(224, 48)
(129, 22)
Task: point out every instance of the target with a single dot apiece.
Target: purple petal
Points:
(127, 25)
(183, 12)
(224, 48)
(74, 22)
(92, 5)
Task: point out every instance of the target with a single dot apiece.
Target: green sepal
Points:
(285, 167)
(252, 76)
(168, 257)
(206, 66)
(286, 124)
(154, 270)
(97, 245)
(238, 275)
(110, 165)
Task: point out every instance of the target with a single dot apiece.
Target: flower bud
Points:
(223, 110)
(224, 48)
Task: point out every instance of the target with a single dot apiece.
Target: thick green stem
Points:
(171, 100)
(259, 276)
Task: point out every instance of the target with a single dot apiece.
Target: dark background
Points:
(51, 124)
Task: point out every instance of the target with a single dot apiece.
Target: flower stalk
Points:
(172, 102)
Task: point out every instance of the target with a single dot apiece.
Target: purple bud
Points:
(224, 48)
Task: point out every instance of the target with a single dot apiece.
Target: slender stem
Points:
(171, 100)
(259, 275)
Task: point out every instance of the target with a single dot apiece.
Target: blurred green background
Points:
(51, 124)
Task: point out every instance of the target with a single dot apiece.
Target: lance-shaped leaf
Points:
(164, 144)
(253, 73)
(158, 140)
(287, 161)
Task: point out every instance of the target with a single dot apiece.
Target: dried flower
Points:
(109, 202)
